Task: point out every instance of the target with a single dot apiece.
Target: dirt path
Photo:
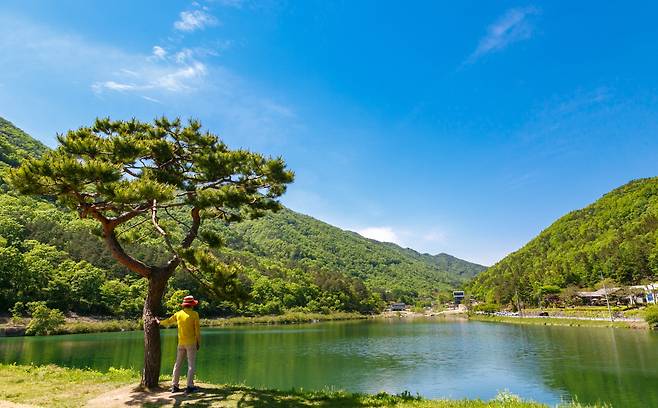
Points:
(212, 396)
(208, 396)
(9, 404)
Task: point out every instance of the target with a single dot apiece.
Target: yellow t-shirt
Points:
(187, 320)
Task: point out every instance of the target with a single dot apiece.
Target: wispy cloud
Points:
(148, 98)
(230, 3)
(159, 52)
(183, 79)
(147, 76)
(511, 27)
(195, 20)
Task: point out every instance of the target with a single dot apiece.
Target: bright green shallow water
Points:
(456, 359)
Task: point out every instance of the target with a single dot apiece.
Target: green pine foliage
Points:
(616, 236)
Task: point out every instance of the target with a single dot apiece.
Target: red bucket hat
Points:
(189, 301)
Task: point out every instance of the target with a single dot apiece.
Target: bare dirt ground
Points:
(8, 404)
(207, 396)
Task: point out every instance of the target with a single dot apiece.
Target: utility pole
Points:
(606, 296)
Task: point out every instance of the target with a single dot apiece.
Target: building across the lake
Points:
(398, 307)
(458, 295)
(631, 295)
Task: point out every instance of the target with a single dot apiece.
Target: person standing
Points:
(189, 341)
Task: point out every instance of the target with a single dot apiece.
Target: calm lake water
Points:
(434, 358)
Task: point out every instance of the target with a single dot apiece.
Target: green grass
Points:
(98, 326)
(549, 321)
(54, 386)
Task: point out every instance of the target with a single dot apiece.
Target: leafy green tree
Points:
(85, 281)
(14, 282)
(164, 175)
(651, 316)
(172, 304)
(44, 320)
(548, 294)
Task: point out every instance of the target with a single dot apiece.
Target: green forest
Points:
(616, 236)
(286, 261)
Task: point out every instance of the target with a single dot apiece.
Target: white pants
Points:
(190, 351)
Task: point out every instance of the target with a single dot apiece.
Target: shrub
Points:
(486, 308)
(172, 304)
(651, 315)
(17, 313)
(44, 320)
(506, 397)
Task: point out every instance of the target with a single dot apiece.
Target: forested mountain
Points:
(16, 145)
(289, 261)
(305, 242)
(616, 236)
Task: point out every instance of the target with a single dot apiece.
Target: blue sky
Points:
(462, 127)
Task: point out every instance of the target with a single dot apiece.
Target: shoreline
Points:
(85, 324)
(55, 386)
(81, 325)
(561, 321)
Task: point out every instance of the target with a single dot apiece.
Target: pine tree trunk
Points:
(152, 351)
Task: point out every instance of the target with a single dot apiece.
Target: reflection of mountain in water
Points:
(616, 366)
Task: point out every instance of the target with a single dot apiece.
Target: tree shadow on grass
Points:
(245, 397)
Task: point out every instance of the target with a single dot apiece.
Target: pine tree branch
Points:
(195, 213)
(121, 256)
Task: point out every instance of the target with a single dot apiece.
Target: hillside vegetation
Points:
(287, 261)
(16, 145)
(310, 244)
(616, 236)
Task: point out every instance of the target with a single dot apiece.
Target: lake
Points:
(434, 358)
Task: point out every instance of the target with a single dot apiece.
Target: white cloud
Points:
(170, 78)
(159, 52)
(148, 98)
(231, 3)
(195, 20)
(382, 234)
(178, 79)
(114, 86)
(512, 27)
(183, 55)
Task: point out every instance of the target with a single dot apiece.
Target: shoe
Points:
(175, 389)
(191, 389)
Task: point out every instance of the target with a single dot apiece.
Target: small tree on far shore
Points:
(163, 176)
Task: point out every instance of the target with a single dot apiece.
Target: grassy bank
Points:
(54, 386)
(588, 312)
(555, 321)
(287, 318)
(91, 325)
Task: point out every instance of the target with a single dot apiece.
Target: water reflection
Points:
(433, 358)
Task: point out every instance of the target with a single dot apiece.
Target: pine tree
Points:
(125, 174)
